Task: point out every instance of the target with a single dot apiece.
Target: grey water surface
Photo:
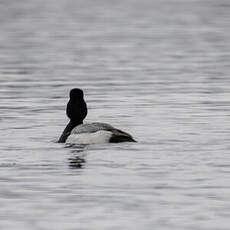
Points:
(159, 69)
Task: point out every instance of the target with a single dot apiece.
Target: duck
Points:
(77, 132)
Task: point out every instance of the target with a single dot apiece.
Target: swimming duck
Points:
(78, 133)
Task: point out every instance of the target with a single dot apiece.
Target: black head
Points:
(76, 108)
(76, 94)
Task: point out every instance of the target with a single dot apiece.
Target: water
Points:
(157, 69)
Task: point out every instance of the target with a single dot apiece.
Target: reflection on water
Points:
(158, 69)
(77, 159)
(76, 162)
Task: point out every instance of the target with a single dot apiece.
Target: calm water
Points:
(157, 69)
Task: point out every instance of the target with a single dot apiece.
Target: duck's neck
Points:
(67, 131)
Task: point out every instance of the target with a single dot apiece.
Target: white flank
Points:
(98, 137)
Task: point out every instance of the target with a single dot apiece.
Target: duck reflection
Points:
(77, 160)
